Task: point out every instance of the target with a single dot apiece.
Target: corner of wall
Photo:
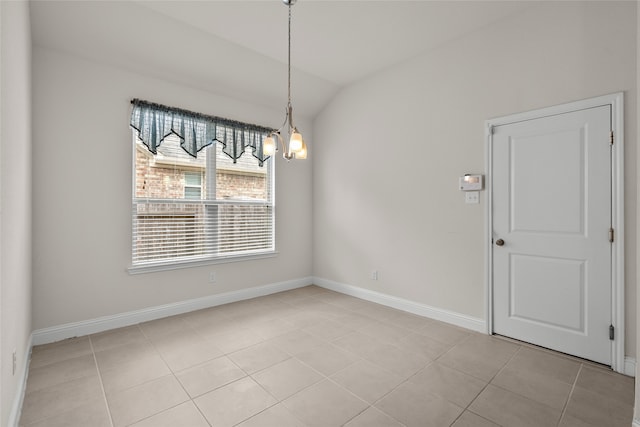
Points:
(18, 399)
(15, 206)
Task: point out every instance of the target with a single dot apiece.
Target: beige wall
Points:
(15, 199)
(82, 196)
(390, 149)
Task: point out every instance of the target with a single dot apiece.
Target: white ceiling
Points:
(239, 48)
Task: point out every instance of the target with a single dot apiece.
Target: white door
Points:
(551, 191)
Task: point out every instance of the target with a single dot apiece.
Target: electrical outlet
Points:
(212, 277)
(374, 275)
(15, 362)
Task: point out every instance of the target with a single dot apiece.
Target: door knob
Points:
(500, 242)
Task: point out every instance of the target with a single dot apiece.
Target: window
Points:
(199, 209)
(193, 185)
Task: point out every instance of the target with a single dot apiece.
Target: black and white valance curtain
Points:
(154, 122)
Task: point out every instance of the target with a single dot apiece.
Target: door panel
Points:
(540, 202)
(547, 291)
(552, 207)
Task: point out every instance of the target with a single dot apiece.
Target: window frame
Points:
(207, 199)
(192, 186)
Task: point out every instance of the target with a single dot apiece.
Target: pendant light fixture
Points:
(295, 148)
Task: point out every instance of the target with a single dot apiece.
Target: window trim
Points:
(178, 265)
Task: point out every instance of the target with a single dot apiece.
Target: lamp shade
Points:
(269, 146)
(302, 152)
(295, 143)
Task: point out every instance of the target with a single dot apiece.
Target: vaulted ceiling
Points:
(239, 48)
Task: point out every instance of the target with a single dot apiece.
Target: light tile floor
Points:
(312, 357)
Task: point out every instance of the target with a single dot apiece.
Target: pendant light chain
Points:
(289, 63)
(294, 147)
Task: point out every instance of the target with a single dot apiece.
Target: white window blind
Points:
(188, 209)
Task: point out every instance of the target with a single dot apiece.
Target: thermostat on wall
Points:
(471, 182)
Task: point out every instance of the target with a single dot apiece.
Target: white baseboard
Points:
(468, 322)
(92, 326)
(630, 367)
(18, 398)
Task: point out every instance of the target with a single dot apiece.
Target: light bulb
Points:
(295, 143)
(269, 146)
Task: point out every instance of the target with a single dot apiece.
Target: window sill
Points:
(153, 268)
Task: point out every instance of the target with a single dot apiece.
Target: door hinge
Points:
(611, 141)
(612, 332)
(611, 235)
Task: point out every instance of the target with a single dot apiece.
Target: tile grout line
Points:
(278, 401)
(372, 405)
(174, 374)
(191, 399)
(247, 375)
(281, 402)
(487, 385)
(324, 377)
(104, 394)
(573, 387)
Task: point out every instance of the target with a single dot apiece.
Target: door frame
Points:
(616, 101)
